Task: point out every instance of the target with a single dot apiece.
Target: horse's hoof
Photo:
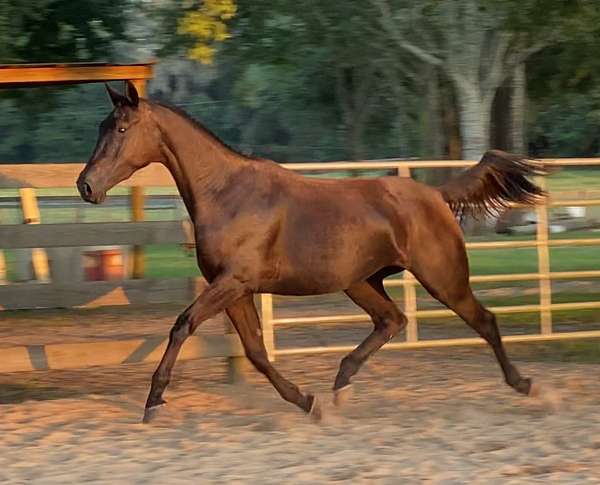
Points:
(151, 413)
(525, 386)
(342, 395)
(315, 412)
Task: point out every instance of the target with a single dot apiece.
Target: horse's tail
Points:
(497, 180)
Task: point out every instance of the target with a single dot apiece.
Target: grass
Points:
(576, 351)
(570, 179)
(170, 262)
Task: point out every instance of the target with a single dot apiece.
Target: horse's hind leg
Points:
(447, 280)
(388, 321)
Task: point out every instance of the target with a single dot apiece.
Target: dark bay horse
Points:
(260, 228)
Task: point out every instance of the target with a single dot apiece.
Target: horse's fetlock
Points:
(351, 363)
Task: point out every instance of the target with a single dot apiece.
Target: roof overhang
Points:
(31, 75)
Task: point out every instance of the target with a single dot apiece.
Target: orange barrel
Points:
(112, 264)
(103, 264)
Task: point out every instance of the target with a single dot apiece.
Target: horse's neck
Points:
(200, 164)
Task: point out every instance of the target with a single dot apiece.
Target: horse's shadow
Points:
(20, 393)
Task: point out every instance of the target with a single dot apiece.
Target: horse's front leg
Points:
(245, 319)
(219, 295)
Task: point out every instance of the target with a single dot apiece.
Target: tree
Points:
(564, 92)
(206, 24)
(60, 30)
(477, 44)
(50, 31)
(315, 43)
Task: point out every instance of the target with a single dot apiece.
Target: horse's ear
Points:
(132, 94)
(116, 98)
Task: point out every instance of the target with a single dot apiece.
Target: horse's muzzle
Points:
(87, 191)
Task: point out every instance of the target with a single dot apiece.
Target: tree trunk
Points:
(513, 114)
(356, 136)
(435, 133)
(518, 106)
(452, 125)
(475, 113)
(475, 119)
(501, 119)
(434, 129)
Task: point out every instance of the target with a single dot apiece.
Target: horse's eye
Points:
(122, 130)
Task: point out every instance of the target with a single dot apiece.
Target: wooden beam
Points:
(410, 289)
(49, 175)
(96, 234)
(137, 205)
(543, 253)
(267, 318)
(441, 343)
(30, 75)
(3, 276)
(94, 294)
(65, 174)
(102, 353)
(137, 215)
(31, 216)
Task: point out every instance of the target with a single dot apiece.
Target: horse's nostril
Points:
(87, 189)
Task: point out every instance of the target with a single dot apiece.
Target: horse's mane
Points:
(202, 128)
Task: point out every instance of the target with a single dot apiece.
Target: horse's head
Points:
(129, 139)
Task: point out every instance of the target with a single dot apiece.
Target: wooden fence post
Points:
(237, 366)
(268, 334)
(410, 291)
(544, 262)
(3, 276)
(31, 215)
(137, 215)
(137, 205)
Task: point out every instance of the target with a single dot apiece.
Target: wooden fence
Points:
(141, 233)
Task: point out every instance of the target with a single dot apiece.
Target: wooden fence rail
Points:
(91, 234)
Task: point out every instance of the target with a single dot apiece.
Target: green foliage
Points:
(564, 87)
(301, 80)
(50, 124)
(59, 30)
(65, 133)
(207, 24)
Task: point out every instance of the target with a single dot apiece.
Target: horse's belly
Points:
(304, 284)
(328, 275)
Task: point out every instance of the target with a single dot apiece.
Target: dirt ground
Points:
(432, 416)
